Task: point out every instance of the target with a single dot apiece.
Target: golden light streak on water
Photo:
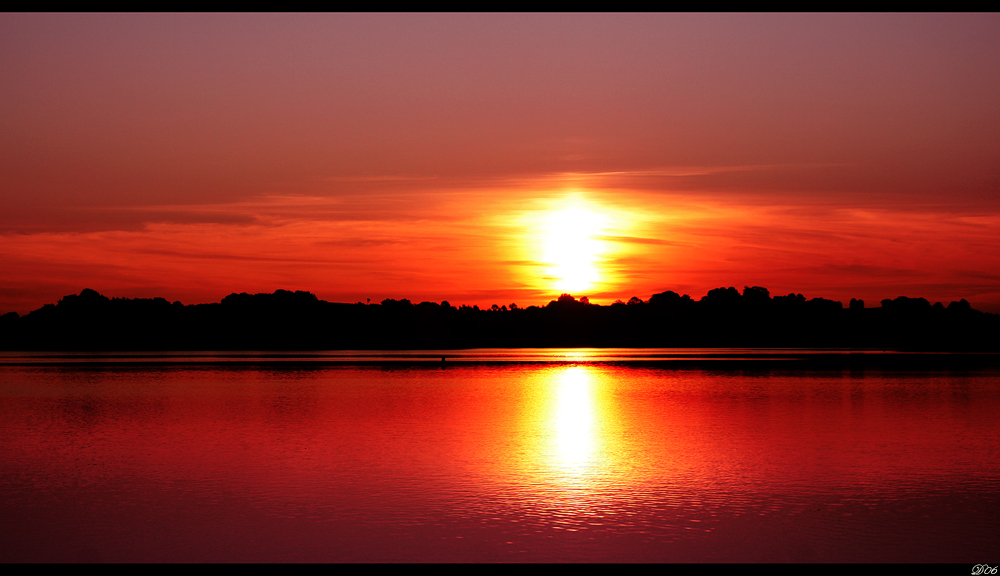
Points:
(574, 421)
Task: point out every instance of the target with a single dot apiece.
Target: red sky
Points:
(499, 158)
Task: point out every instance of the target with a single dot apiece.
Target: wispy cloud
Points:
(456, 245)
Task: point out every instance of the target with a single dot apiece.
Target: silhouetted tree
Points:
(756, 294)
(721, 297)
(299, 320)
(959, 306)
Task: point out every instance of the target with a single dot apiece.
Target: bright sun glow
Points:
(575, 419)
(572, 248)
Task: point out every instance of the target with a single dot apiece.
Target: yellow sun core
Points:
(572, 248)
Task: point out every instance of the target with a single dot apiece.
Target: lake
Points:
(498, 455)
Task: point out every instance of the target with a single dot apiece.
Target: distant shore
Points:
(743, 360)
(284, 320)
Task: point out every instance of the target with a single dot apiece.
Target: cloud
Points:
(638, 240)
(461, 244)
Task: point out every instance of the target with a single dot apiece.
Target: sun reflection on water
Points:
(574, 421)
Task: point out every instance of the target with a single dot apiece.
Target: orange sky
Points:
(499, 158)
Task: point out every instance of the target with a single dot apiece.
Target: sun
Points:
(572, 242)
(572, 247)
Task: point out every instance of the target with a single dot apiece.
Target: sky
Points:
(497, 158)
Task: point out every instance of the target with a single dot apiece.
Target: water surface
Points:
(519, 455)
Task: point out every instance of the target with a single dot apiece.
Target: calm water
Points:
(528, 456)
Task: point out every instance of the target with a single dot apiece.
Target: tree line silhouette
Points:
(298, 320)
